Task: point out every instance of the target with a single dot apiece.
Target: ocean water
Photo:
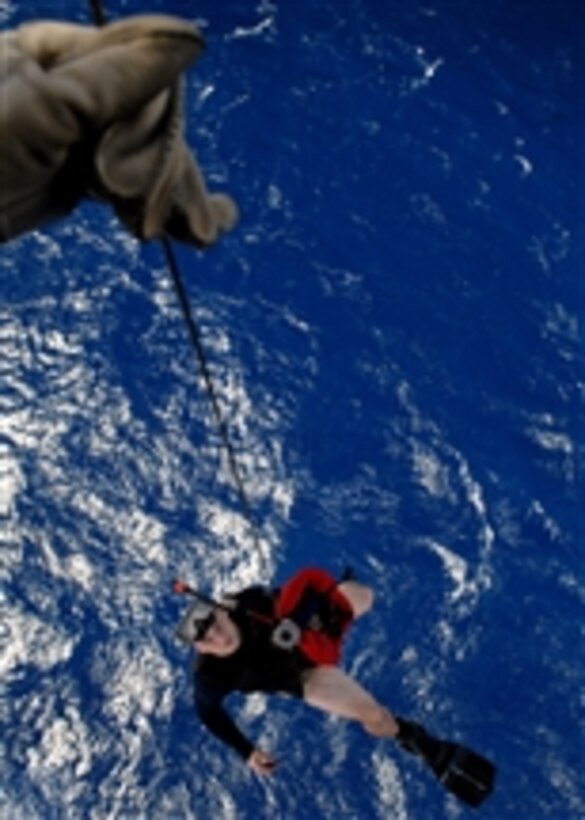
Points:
(394, 333)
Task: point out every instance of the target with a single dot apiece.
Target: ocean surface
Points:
(394, 331)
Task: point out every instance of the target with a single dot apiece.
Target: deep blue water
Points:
(394, 330)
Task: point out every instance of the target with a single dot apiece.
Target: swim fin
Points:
(463, 772)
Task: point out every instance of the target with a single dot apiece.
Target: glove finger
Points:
(109, 73)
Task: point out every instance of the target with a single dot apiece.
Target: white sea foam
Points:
(562, 326)
(391, 801)
(240, 562)
(456, 568)
(30, 641)
(549, 434)
(553, 440)
(136, 681)
(443, 472)
(64, 743)
(525, 164)
(265, 26)
(12, 481)
(431, 473)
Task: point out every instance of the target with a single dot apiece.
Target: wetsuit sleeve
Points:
(209, 706)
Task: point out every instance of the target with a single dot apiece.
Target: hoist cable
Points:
(100, 19)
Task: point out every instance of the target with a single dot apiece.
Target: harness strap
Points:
(313, 616)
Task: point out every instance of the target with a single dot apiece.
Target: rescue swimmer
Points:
(289, 641)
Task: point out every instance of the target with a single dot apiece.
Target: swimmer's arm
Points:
(209, 706)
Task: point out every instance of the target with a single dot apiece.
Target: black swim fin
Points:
(463, 772)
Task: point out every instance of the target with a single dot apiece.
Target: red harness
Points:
(313, 600)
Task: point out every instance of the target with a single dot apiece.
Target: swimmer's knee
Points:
(368, 598)
(360, 597)
(378, 721)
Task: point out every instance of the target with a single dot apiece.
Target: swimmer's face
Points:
(222, 636)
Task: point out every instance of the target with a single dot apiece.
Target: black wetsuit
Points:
(256, 666)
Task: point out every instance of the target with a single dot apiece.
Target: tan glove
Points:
(97, 112)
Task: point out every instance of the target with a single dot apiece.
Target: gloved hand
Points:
(97, 112)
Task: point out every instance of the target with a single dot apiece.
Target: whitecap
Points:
(391, 794)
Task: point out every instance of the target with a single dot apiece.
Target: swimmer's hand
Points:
(261, 763)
